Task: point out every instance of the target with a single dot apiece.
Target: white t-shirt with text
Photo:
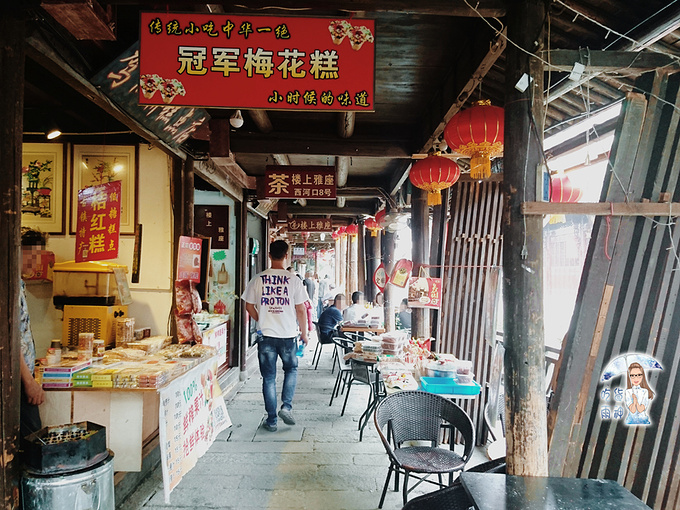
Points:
(275, 292)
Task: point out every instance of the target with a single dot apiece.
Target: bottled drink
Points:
(301, 349)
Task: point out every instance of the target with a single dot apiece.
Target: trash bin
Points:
(86, 489)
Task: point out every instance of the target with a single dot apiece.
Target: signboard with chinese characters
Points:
(120, 82)
(189, 259)
(424, 292)
(191, 414)
(310, 224)
(273, 63)
(98, 225)
(310, 182)
(213, 221)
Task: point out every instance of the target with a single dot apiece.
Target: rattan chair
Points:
(319, 348)
(415, 416)
(342, 346)
(454, 497)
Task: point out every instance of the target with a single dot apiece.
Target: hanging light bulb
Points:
(236, 120)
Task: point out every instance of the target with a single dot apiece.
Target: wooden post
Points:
(361, 258)
(239, 324)
(372, 263)
(526, 433)
(352, 265)
(420, 227)
(437, 247)
(12, 53)
(388, 262)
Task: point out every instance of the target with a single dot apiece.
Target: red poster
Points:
(189, 259)
(311, 182)
(98, 226)
(425, 292)
(380, 277)
(273, 63)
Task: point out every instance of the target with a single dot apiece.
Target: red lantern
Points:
(478, 133)
(380, 217)
(372, 225)
(352, 229)
(433, 174)
(563, 191)
(335, 235)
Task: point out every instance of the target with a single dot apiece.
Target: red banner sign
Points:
(273, 63)
(310, 224)
(98, 225)
(424, 292)
(189, 259)
(312, 182)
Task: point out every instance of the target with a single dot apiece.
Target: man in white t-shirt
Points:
(357, 310)
(275, 299)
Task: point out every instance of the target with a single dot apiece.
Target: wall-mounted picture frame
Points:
(43, 181)
(98, 164)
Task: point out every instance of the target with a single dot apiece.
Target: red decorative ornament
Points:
(563, 191)
(433, 174)
(352, 229)
(342, 231)
(372, 225)
(335, 235)
(478, 133)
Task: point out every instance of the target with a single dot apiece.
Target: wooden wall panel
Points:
(473, 255)
(628, 302)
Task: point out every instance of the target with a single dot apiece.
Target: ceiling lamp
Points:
(373, 225)
(52, 131)
(477, 133)
(433, 174)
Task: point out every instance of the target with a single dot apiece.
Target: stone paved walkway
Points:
(247, 468)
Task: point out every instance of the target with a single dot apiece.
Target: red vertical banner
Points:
(189, 259)
(98, 226)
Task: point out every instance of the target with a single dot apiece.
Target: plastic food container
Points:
(463, 367)
(465, 378)
(438, 369)
(86, 280)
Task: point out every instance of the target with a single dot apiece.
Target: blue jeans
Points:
(268, 350)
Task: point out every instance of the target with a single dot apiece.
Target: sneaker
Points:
(270, 428)
(287, 416)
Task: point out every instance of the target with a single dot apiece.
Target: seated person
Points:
(404, 314)
(356, 310)
(330, 318)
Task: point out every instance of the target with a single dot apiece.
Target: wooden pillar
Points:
(341, 264)
(388, 262)
(241, 328)
(372, 263)
(420, 228)
(526, 433)
(361, 258)
(338, 250)
(437, 246)
(12, 53)
(353, 265)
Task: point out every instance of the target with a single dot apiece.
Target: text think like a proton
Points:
(275, 290)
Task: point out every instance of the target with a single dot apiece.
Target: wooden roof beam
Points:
(645, 39)
(487, 8)
(282, 143)
(608, 61)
